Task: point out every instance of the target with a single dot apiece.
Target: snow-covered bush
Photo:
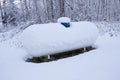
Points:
(45, 39)
(111, 28)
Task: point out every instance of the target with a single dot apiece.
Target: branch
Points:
(69, 5)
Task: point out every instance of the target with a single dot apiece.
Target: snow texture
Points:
(45, 39)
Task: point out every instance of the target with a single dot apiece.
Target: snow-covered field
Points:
(102, 63)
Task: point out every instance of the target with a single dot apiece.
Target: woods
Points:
(43, 11)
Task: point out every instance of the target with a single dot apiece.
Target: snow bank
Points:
(44, 39)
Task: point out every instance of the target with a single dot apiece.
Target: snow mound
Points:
(63, 19)
(45, 39)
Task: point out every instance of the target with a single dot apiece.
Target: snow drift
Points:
(45, 39)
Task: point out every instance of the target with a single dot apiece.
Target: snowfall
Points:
(103, 63)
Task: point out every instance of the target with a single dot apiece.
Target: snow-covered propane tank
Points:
(51, 38)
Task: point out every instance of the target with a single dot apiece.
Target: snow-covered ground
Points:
(102, 63)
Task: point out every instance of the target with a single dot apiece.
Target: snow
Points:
(45, 39)
(111, 28)
(100, 64)
(64, 19)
